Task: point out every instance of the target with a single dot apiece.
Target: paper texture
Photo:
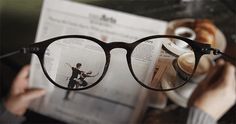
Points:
(114, 99)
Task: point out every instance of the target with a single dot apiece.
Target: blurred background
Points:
(19, 21)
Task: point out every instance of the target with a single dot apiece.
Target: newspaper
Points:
(115, 98)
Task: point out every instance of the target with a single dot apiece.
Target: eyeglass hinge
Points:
(26, 50)
(215, 51)
(206, 50)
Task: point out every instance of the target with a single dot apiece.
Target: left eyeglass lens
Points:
(74, 63)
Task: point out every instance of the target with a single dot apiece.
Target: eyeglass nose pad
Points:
(128, 58)
(108, 58)
(197, 59)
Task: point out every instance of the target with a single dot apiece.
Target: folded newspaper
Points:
(117, 98)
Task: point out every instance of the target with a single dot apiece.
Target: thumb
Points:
(214, 73)
(34, 93)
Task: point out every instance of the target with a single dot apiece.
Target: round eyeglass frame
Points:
(39, 49)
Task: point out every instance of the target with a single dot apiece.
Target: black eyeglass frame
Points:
(39, 49)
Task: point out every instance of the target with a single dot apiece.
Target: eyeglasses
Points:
(78, 62)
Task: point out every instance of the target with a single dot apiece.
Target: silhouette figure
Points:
(72, 83)
(81, 80)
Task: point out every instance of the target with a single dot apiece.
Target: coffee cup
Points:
(184, 32)
(185, 63)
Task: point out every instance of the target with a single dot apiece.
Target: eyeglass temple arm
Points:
(217, 52)
(23, 50)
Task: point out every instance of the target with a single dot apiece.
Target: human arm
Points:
(8, 117)
(19, 98)
(88, 75)
(68, 65)
(217, 93)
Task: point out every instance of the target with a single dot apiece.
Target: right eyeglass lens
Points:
(173, 67)
(74, 63)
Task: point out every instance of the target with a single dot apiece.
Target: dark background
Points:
(19, 21)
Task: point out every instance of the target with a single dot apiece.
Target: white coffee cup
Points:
(185, 66)
(184, 32)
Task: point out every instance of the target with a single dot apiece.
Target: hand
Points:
(20, 95)
(217, 93)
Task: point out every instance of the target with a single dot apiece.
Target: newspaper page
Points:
(113, 100)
